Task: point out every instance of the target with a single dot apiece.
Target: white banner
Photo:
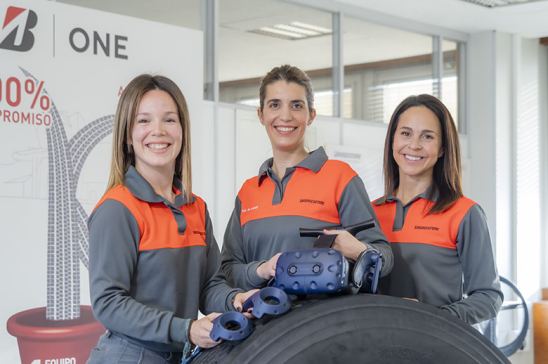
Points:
(61, 71)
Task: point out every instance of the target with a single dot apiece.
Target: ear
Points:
(260, 115)
(441, 153)
(312, 116)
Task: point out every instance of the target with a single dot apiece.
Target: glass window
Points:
(382, 66)
(449, 88)
(257, 35)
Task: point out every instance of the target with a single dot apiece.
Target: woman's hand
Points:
(200, 329)
(346, 243)
(240, 298)
(267, 269)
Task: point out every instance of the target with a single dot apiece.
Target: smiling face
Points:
(417, 143)
(286, 115)
(156, 134)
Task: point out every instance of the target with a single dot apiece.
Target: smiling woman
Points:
(442, 249)
(152, 254)
(271, 207)
(417, 146)
(156, 140)
(285, 114)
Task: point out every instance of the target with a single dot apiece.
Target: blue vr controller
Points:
(268, 301)
(367, 271)
(325, 270)
(230, 326)
(234, 326)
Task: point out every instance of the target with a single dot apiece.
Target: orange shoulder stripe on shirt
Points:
(307, 194)
(440, 229)
(157, 225)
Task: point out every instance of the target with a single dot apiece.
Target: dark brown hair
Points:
(289, 74)
(447, 170)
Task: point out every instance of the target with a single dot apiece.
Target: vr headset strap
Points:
(324, 241)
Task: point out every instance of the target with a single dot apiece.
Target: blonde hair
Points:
(122, 152)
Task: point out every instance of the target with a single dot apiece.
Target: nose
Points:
(285, 113)
(158, 127)
(415, 143)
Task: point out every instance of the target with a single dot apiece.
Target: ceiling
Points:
(529, 19)
(496, 3)
(246, 55)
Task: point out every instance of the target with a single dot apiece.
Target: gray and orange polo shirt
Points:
(153, 264)
(268, 213)
(443, 259)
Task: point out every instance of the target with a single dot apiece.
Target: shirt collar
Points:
(314, 162)
(141, 189)
(430, 194)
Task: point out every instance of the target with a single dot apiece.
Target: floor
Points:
(523, 357)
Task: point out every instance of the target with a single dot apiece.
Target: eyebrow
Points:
(279, 100)
(147, 113)
(422, 131)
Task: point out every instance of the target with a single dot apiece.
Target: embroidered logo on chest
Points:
(422, 227)
(307, 200)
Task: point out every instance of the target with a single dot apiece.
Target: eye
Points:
(170, 120)
(428, 136)
(298, 105)
(142, 121)
(405, 133)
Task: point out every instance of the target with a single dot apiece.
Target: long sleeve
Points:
(216, 295)
(354, 207)
(238, 272)
(114, 241)
(482, 293)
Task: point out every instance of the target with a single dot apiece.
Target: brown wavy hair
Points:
(447, 170)
(122, 153)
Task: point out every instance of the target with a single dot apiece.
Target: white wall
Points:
(507, 103)
(481, 100)
(543, 102)
(527, 167)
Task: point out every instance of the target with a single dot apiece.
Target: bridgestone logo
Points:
(418, 227)
(306, 200)
(16, 34)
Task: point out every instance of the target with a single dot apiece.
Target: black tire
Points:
(359, 329)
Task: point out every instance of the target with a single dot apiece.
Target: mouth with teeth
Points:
(157, 147)
(412, 158)
(285, 129)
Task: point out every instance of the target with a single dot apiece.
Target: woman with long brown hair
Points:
(440, 239)
(153, 256)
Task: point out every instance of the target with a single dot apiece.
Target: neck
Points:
(161, 182)
(283, 160)
(411, 186)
